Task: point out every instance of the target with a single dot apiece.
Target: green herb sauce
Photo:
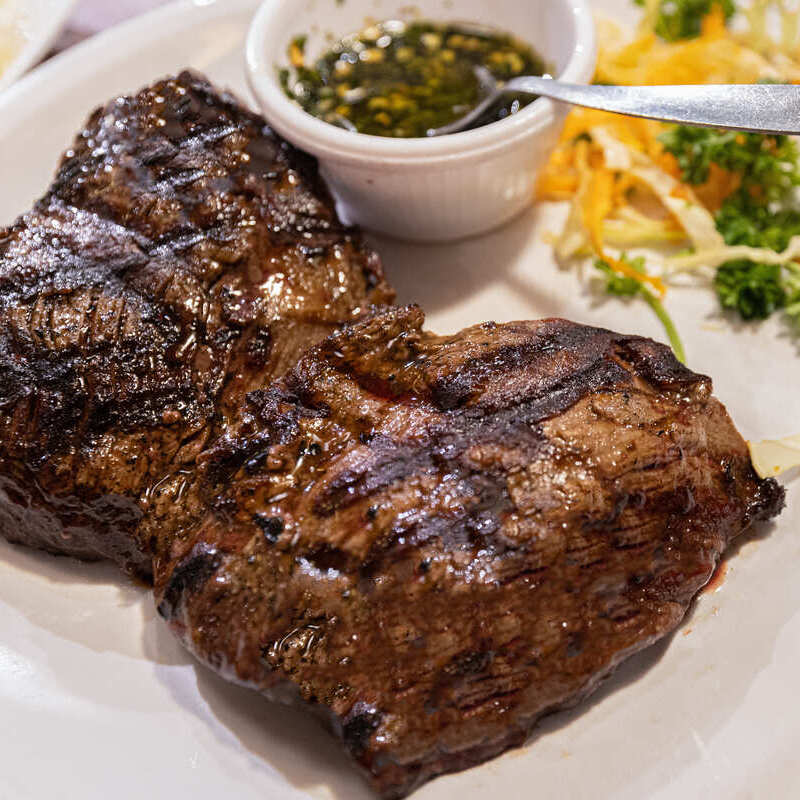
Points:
(403, 80)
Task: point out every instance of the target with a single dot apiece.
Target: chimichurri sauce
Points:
(405, 79)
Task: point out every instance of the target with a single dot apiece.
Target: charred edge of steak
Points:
(68, 525)
(188, 576)
(769, 501)
(436, 500)
(133, 308)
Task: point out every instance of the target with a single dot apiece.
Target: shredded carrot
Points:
(718, 55)
(720, 185)
(629, 272)
(666, 161)
(714, 24)
(640, 134)
(597, 205)
(577, 168)
(555, 185)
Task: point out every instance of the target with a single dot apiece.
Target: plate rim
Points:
(36, 48)
(108, 39)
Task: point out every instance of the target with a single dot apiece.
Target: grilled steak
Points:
(183, 256)
(432, 541)
(429, 541)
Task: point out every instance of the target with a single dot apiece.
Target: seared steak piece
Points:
(183, 256)
(429, 541)
(433, 541)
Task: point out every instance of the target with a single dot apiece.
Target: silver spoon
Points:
(759, 108)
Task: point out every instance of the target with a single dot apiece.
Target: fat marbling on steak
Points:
(432, 541)
(183, 256)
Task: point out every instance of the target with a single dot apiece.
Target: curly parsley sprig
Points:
(763, 161)
(761, 212)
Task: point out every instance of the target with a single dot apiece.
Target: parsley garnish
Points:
(766, 163)
(756, 291)
(683, 19)
(745, 220)
(760, 213)
(626, 287)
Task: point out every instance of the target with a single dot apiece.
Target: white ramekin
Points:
(436, 189)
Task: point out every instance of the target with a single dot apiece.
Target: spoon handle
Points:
(760, 108)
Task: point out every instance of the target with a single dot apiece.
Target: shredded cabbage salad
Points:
(718, 206)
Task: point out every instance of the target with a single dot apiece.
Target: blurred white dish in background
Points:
(28, 29)
(436, 189)
(11, 36)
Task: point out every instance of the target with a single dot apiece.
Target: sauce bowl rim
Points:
(328, 141)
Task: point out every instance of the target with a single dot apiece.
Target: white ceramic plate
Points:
(98, 701)
(35, 25)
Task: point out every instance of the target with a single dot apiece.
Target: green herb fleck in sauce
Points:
(402, 80)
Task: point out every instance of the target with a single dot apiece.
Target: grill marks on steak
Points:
(183, 256)
(432, 541)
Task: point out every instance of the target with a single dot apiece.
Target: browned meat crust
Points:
(429, 541)
(432, 541)
(183, 256)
